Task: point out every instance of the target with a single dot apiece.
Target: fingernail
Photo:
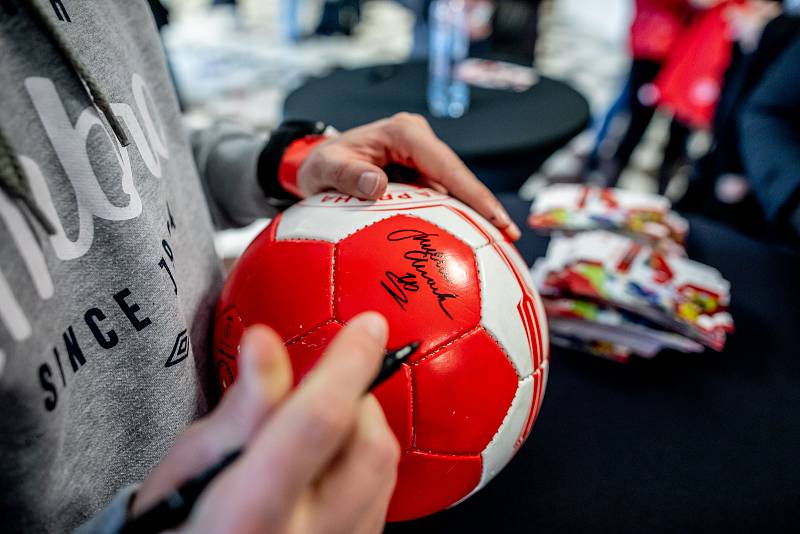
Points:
(253, 366)
(501, 218)
(368, 183)
(373, 324)
(513, 232)
(262, 374)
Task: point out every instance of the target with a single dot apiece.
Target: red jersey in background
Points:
(656, 26)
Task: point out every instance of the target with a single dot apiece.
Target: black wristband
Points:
(269, 160)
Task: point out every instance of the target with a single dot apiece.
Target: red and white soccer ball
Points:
(441, 275)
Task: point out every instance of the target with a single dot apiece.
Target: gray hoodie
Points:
(108, 274)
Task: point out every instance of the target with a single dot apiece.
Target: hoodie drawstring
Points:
(93, 90)
(13, 180)
(14, 183)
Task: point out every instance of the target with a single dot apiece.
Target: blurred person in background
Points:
(108, 279)
(512, 32)
(657, 25)
(718, 185)
(769, 133)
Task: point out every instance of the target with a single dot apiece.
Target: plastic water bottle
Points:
(290, 19)
(448, 46)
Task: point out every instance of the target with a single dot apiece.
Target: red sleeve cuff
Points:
(293, 157)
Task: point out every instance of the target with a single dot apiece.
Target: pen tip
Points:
(407, 351)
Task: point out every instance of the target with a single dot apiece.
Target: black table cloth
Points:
(681, 443)
(503, 137)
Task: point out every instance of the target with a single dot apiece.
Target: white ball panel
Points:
(325, 224)
(451, 221)
(397, 196)
(544, 327)
(513, 254)
(487, 227)
(500, 294)
(503, 445)
(545, 372)
(525, 272)
(539, 386)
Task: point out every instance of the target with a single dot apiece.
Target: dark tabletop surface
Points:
(498, 123)
(681, 443)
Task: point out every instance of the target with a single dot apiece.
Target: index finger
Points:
(417, 143)
(304, 434)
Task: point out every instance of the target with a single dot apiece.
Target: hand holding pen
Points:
(319, 457)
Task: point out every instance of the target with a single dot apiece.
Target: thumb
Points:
(356, 177)
(265, 377)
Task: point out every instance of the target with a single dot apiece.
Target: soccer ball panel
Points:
(522, 268)
(417, 492)
(325, 223)
(538, 318)
(487, 228)
(398, 196)
(306, 349)
(421, 278)
(244, 265)
(539, 386)
(448, 219)
(462, 393)
(505, 442)
(395, 398)
(500, 298)
(288, 287)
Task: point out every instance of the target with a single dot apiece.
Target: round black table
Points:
(680, 443)
(503, 137)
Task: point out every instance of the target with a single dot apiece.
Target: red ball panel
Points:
(306, 350)
(289, 285)
(423, 279)
(241, 271)
(462, 393)
(395, 398)
(427, 483)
